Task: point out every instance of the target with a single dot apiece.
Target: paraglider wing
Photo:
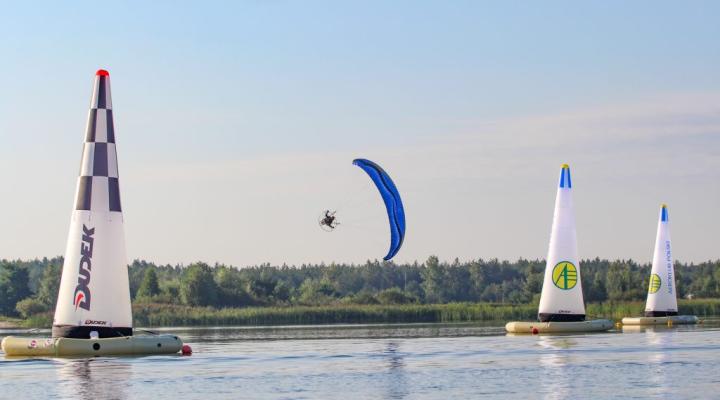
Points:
(393, 203)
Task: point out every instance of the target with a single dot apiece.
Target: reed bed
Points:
(150, 315)
(171, 315)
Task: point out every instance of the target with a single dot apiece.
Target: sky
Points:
(237, 124)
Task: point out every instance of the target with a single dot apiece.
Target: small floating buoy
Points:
(618, 325)
(186, 350)
(535, 331)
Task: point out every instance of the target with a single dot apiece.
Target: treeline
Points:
(30, 287)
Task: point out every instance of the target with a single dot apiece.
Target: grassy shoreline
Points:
(154, 315)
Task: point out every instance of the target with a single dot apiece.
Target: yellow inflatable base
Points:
(64, 347)
(597, 325)
(672, 320)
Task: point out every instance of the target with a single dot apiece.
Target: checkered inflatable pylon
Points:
(98, 185)
(94, 295)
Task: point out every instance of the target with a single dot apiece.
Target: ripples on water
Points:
(388, 361)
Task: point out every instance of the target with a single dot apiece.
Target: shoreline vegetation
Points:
(372, 292)
(166, 315)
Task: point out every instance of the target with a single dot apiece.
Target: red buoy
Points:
(535, 331)
(186, 350)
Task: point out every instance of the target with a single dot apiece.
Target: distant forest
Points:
(30, 287)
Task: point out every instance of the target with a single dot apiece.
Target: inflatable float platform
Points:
(598, 325)
(67, 347)
(670, 320)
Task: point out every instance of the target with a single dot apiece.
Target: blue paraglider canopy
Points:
(393, 203)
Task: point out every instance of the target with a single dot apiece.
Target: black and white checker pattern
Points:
(98, 186)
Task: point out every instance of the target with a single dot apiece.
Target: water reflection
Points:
(657, 358)
(99, 378)
(555, 375)
(657, 340)
(397, 387)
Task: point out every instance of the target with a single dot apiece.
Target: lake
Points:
(421, 361)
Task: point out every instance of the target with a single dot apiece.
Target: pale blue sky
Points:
(237, 123)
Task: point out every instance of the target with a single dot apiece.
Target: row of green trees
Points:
(30, 287)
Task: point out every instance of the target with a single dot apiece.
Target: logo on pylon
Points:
(565, 275)
(655, 283)
(82, 290)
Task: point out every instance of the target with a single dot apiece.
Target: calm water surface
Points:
(388, 362)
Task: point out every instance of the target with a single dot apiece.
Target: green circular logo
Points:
(565, 275)
(655, 283)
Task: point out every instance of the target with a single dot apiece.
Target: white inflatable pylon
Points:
(94, 297)
(562, 297)
(662, 296)
(661, 307)
(562, 309)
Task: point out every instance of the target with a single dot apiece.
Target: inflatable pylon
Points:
(94, 297)
(562, 308)
(562, 297)
(662, 297)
